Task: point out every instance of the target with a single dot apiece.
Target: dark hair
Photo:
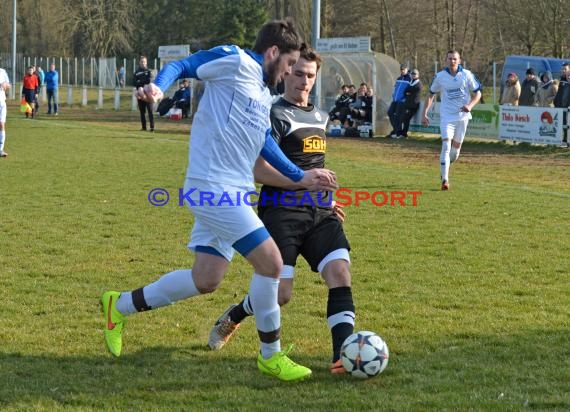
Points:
(310, 55)
(280, 33)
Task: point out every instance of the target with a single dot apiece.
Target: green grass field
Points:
(470, 288)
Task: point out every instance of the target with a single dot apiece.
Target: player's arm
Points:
(266, 174)
(185, 68)
(427, 106)
(475, 98)
(475, 87)
(314, 179)
(5, 84)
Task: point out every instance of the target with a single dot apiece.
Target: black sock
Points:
(340, 302)
(238, 313)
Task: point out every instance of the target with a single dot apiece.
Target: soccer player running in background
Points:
(231, 129)
(460, 92)
(308, 228)
(4, 87)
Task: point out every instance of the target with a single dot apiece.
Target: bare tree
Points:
(390, 29)
(100, 27)
(419, 32)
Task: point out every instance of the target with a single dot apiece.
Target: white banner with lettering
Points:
(344, 44)
(531, 124)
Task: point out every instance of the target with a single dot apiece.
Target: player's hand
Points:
(425, 121)
(319, 179)
(149, 93)
(465, 109)
(338, 211)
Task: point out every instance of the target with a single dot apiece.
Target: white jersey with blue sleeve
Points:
(228, 130)
(3, 79)
(455, 93)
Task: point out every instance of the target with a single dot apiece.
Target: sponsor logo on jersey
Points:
(314, 144)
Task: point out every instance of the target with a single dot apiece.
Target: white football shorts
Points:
(454, 130)
(223, 215)
(3, 111)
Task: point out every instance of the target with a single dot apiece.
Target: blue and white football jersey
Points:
(455, 93)
(228, 130)
(3, 79)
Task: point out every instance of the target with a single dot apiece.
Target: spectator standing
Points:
(562, 99)
(30, 87)
(411, 103)
(4, 87)
(512, 91)
(41, 75)
(121, 75)
(564, 71)
(529, 89)
(369, 99)
(142, 77)
(546, 91)
(52, 89)
(396, 108)
(460, 92)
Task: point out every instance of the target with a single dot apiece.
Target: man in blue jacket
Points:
(52, 86)
(396, 109)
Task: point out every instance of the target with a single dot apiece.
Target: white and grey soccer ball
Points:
(364, 354)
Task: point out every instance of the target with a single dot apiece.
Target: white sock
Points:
(444, 159)
(2, 139)
(263, 299)
(169, 289)
(454, 154)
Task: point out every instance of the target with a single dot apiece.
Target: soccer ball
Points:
(364, 354)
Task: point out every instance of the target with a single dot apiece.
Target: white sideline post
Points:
(84, 96)
(117, 98)
(100, 98)
(70, 96)
(134, 103)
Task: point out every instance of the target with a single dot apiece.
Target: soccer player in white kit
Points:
(460, 92)
(4, 87)
(230, 130)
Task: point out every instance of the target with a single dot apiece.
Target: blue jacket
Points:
(402, 83)
(52, 80)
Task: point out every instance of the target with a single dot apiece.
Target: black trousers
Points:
(146, 107)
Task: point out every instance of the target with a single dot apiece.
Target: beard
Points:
(272, 72)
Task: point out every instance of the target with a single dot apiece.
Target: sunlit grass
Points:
(469, 288)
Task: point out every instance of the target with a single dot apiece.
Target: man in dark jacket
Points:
(142, 77)
(341, 105)
(411, 103)
(529, 87)
(182, 97)
(562, 98)
(396, 109)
